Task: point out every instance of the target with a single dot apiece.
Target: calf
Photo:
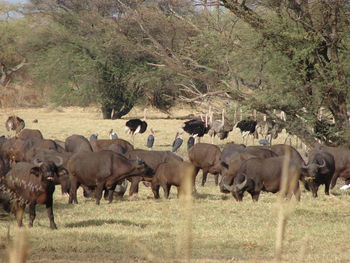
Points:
(32, 184)
(206, 157)
(173, 173)
(153, 160)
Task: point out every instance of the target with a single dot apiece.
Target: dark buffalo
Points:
(153, 160)
(232, 163)
(260, 152)
(30, 134)
(32, 184)
(283, 149)
(231, 149)
(14, 123)
(100, 170)
(256, 175)
(342, 162)
(319, 170)
(77, 143)
(61, 161)
(231, 168)
(116, 145)
(206, 157)
(174, 173)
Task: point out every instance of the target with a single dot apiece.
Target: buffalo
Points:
(256, 175)
(102, 170)
(206, 157)
(117, 145)
(32, 184)
(77, 143)
(173, 173)
(342, 162)
(319, 170)
(153, 160)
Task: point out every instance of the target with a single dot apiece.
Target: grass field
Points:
(211, 228)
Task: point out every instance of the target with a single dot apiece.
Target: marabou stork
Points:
(93, 137)
(150, 139)
(177, 142)
(14, 123)
(112, 135)
(191, 141)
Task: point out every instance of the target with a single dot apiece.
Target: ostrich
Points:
(112, 135)
(177, 142)
(134, 126)
(219, 127)
(14, 123)
(150, 139)
(247, 127)
(196, 127)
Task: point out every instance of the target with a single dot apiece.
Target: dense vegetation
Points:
(266, 55)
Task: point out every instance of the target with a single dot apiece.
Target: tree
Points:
(84, 57)
(271, 55)
(12, 57)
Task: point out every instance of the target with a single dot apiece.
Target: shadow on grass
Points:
(100, 222)
(207, 196)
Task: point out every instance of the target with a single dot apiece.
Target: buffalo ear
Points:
(35, 171)
(62, 172)
(225, 165)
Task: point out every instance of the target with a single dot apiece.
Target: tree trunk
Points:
(106, 112)
(121, 111)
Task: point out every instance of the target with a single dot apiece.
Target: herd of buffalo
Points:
(31, 166)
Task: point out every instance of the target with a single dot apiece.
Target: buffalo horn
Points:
(243, 184)
(60, 161)
(304, 166)
(322, 165)
(37, 162)
(228, 187)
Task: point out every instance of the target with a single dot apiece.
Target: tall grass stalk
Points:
(285, 206)
(18, 252)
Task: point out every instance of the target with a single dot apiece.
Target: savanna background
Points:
(83, 67)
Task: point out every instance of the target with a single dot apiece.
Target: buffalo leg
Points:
(155, 190)
(255, 196)
(98, 193)
(166, 189)
(326, 188)
(73, 191)
(297, 192)
(204, 178)
(216, 177)
(334, 180)
(134, 187)
(110, 191)
(314, 189)
(49, 208)
(32, 213)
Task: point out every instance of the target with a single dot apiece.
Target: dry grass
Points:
(212, 227)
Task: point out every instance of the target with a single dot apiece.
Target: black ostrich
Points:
(247, 127)
(196, 127)
(135, 126)
(177, 142)
(150, 139)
